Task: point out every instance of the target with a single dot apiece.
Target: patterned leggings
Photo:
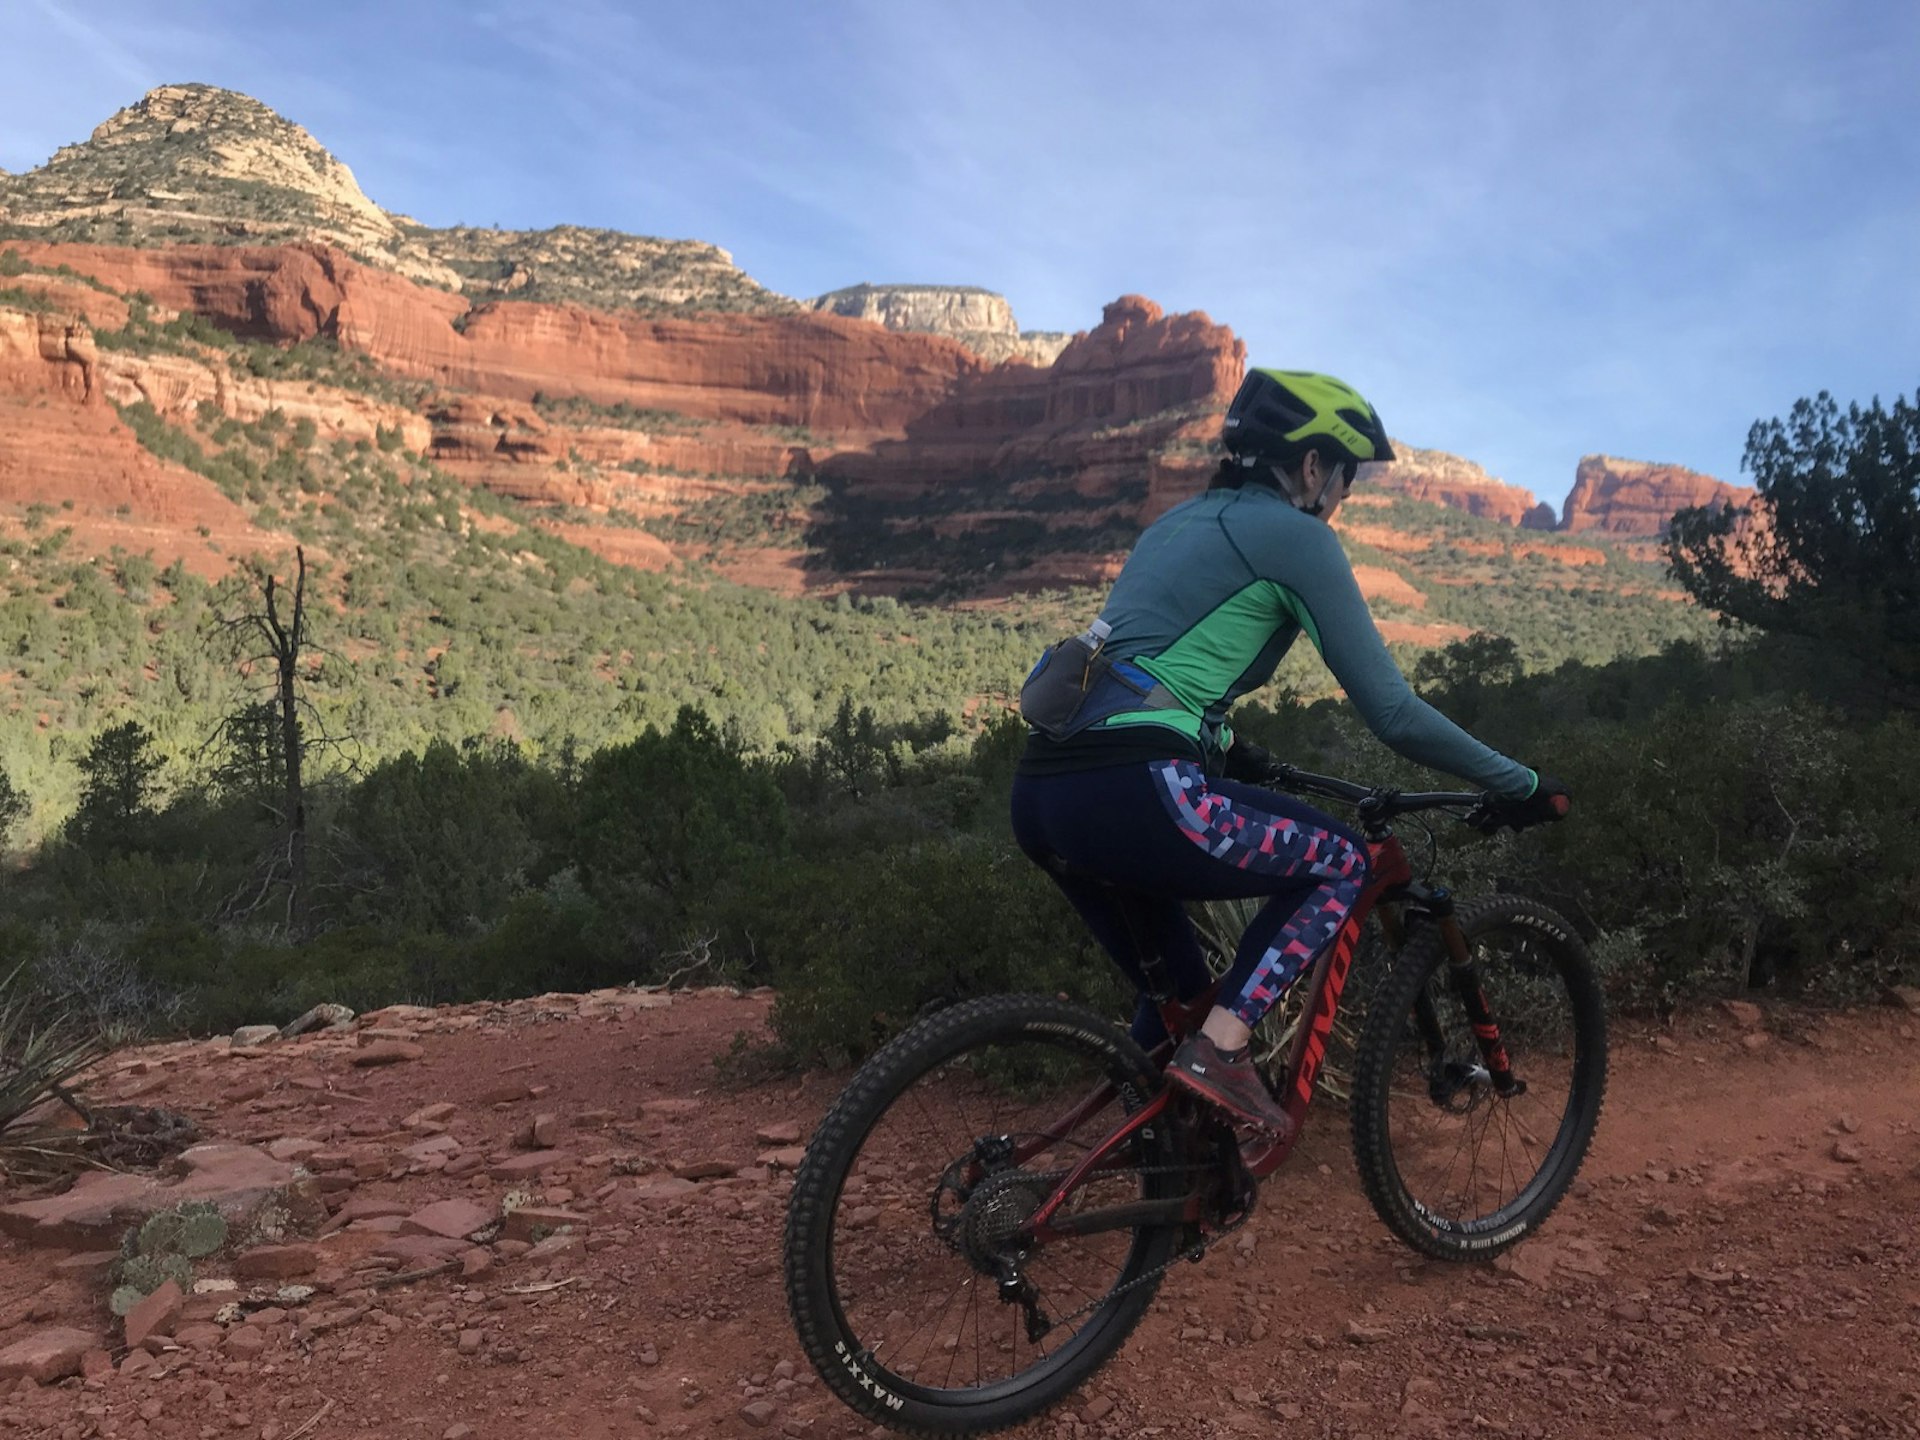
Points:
(1128, 844)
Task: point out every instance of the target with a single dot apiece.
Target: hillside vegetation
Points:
(198, 163)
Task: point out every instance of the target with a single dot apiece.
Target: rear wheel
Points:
(1457, 1161)
(904, 1244)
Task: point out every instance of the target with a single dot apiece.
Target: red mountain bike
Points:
(985, 1213)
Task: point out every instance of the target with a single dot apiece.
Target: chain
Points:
(1191, 1252)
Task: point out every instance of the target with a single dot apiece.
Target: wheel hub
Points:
(995, 1213)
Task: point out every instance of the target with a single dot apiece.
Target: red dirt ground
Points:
(1740, 1257)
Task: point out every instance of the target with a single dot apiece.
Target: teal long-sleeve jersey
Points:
(1216, 592)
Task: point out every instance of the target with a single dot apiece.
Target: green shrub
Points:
(860, 945)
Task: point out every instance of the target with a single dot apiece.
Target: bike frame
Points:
(1392, 881)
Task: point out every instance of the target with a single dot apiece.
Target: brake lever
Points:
(1484, 817)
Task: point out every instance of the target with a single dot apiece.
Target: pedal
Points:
(1236, 1191)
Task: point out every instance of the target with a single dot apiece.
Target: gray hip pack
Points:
(1074, 687)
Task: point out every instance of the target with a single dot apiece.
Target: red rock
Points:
(1743, 1012)
(758, 1413)
(1632, 497)
(199, 1337)
(1442, 479)
(96, 1364)
(243, 1342)
(562, 1244)
(664, 1189)
(522, 1223)
(364, 1207)
(155, 1314)
(439, 1146)
(780, 1132)
(87, 1262)
(504, 1094)
(292, 1147)
(669, 1109)
(788, 1158)
(449, 1219)
(101, 1205)
(1904, 997)
(137, 1362)
(385, 1052)
(276, 1262)
(47, 1355)
(704, 1169)
(519, 1167)
(417, 1251)
(435, 1114)
(475, 1262)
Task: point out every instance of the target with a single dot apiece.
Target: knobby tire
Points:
(1387, 1033)
(823, 1328)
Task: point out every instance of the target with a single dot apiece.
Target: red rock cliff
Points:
(1633, 497)
(1127, 406)
(1443, 479)
(821, 372)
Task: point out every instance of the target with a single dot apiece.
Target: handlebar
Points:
(1378, 804)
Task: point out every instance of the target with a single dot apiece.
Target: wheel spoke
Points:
(930, 1207)
(1455, 1158)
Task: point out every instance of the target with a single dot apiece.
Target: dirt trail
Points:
(1741, 1257)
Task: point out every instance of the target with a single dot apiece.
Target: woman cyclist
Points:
(1132, 791)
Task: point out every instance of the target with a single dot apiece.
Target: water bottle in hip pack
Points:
(1076, 685)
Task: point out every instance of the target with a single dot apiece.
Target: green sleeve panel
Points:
(1216, 591)
(1209, 662)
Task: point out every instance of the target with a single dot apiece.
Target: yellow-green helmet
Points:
(1279, 415)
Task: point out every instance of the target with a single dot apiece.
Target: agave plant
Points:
(40, 1050)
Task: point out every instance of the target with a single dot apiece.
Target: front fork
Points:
(1463, 977)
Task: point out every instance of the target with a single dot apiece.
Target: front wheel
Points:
(915, 1287)
(1461, 1155)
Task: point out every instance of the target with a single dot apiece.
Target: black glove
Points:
(1247, 761)
(1551, 800)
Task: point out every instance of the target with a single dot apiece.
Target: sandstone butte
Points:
(1121, 420)
(1633, 497)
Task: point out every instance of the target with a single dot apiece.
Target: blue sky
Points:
(1527, 231)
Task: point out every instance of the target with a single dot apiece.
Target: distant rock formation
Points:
(1635, 497)
(800, 370)
(979, 319)
(195, 162)
(1444, 479)
(914, 435)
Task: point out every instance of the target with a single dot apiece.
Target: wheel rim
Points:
(1471, 1161)
(916, 1227)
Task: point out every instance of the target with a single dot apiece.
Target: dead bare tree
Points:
(275, 634)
